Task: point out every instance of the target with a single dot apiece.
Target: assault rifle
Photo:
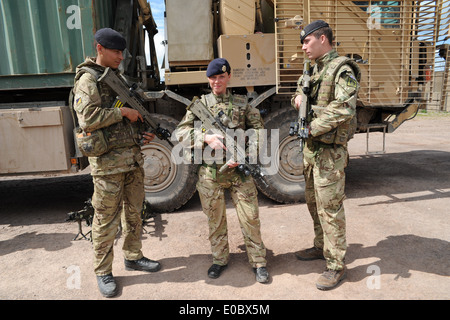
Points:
(129, 96)
(86, 214)
(300, 128)
(217, 123)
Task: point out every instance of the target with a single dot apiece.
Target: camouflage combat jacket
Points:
(334, 89)
(242, 116)
(93, 105)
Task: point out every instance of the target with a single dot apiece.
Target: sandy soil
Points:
(397, 211)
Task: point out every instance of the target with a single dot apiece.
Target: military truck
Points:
(42, 42)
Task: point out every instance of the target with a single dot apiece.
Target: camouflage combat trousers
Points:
(325, 193)
(211, 188)
(117, 197)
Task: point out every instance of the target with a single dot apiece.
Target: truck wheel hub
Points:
(160, 171)
(291, 163)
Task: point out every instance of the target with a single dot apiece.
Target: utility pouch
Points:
(327, 138)
(91, 144)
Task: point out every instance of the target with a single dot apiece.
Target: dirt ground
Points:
(397, 210)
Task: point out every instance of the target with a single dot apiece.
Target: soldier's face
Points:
(314, 47)
(219, 83)
(109, 57)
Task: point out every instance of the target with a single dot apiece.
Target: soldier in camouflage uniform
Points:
(111, 140)
(212, 183)
(334, 87)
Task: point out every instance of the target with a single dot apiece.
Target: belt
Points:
(213, 168)
(316, 145)
(319, 144)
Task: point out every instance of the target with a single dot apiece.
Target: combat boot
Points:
(143, 264)
(331, 278)
(107, 285)
(215, 270)
(262, 275)
(310, 254)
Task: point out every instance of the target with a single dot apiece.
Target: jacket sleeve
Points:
(189, 132)
(297, 92)
(87, 104)
(342, 108)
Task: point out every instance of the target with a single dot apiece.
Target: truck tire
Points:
(287, 184)
(168, 185)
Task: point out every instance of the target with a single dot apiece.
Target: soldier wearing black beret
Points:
(218, 66)
(110, 39)
(310, 28)
(115, 159)
(333, 90)
(213, 181)
(110, 47)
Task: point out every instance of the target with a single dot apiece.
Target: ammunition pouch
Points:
(346, 131)
(340, 135)
(329, 137)
(91, 144)
(122, 134)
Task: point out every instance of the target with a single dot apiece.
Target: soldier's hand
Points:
(148, 137)
(298, 101)
(232, 164)
(131, 114)
(215, 141)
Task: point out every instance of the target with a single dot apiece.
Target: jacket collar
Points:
(327, 57)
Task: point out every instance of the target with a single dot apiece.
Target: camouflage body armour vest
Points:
(121, 134)
(233, 107)
(322, 93)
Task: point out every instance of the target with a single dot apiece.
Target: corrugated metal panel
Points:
(48, 38)
(392, 41)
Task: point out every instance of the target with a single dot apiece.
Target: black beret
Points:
(310, 28)
(218, 66)
(110, 39)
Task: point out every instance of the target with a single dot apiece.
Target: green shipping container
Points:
(42, 41)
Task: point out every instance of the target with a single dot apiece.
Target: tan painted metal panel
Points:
(174, 78)
(237, 17)
(251, 57)
(189, 29)
(35, 140)
(39, 118)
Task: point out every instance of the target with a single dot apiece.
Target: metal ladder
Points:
(376, 126)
